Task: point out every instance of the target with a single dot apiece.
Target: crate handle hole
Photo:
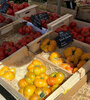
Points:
(27, 12)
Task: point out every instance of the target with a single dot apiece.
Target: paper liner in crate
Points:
(43, 30)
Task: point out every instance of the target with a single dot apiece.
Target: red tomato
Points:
(87, 40)
(7, 43)
(72, 24)
(10, 50)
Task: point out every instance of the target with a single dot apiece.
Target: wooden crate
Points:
(76, 77)
(21, 63)
(10, 33)
(36, 49)
(32, 10)
(23, 58)
(63, 10)
(4, 26)
(83, 12)
(66, 20)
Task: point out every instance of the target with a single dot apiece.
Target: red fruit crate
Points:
(34, 10)
(80, 31)
(13, 7)
(66, 19)
(15, 36)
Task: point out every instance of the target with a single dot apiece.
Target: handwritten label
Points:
(63, 38)
(36, 21)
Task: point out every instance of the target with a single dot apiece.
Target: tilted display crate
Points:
(20, 62)
(32, 10)
(75, 77)
(11, 34)
(65, 21)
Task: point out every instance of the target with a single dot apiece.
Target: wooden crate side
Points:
(12, 91)
(49, 25)
(63, 20)
(9, 61)
(70, 11)
(7, 27)
(73, 90)
(8, 16)
(27, 12)
(52, 1)
(82, 23)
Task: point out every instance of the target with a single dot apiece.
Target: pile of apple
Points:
(44, 22)
(8, 47)
(37, 85)
(15, 7)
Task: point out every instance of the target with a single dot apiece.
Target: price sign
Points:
(36, 21)
(63, 38)
(4, 6)
(44, 16)
(5, 95)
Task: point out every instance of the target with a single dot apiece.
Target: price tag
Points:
(36, 21)
(63, 38)
(5, 94)
(44, 16)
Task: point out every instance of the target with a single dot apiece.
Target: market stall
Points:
(43, 55)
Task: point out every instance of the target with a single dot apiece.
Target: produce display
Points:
(37, 84)
(72, 59)
(39, 70)
(15, 7)
(81, 34)
(8, 47)
(7, 73)
(43, 18)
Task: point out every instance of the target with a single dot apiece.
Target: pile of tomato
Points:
(15, 7)
(8, 47)
(37, 84)
(44, 21)
(81, 34)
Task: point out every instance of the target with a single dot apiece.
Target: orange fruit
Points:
(22, 83)
(3, 70)
(9, 75)
(36, 62)
(35, 97)
(29, 91)
(30, 67)
(21, 90)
